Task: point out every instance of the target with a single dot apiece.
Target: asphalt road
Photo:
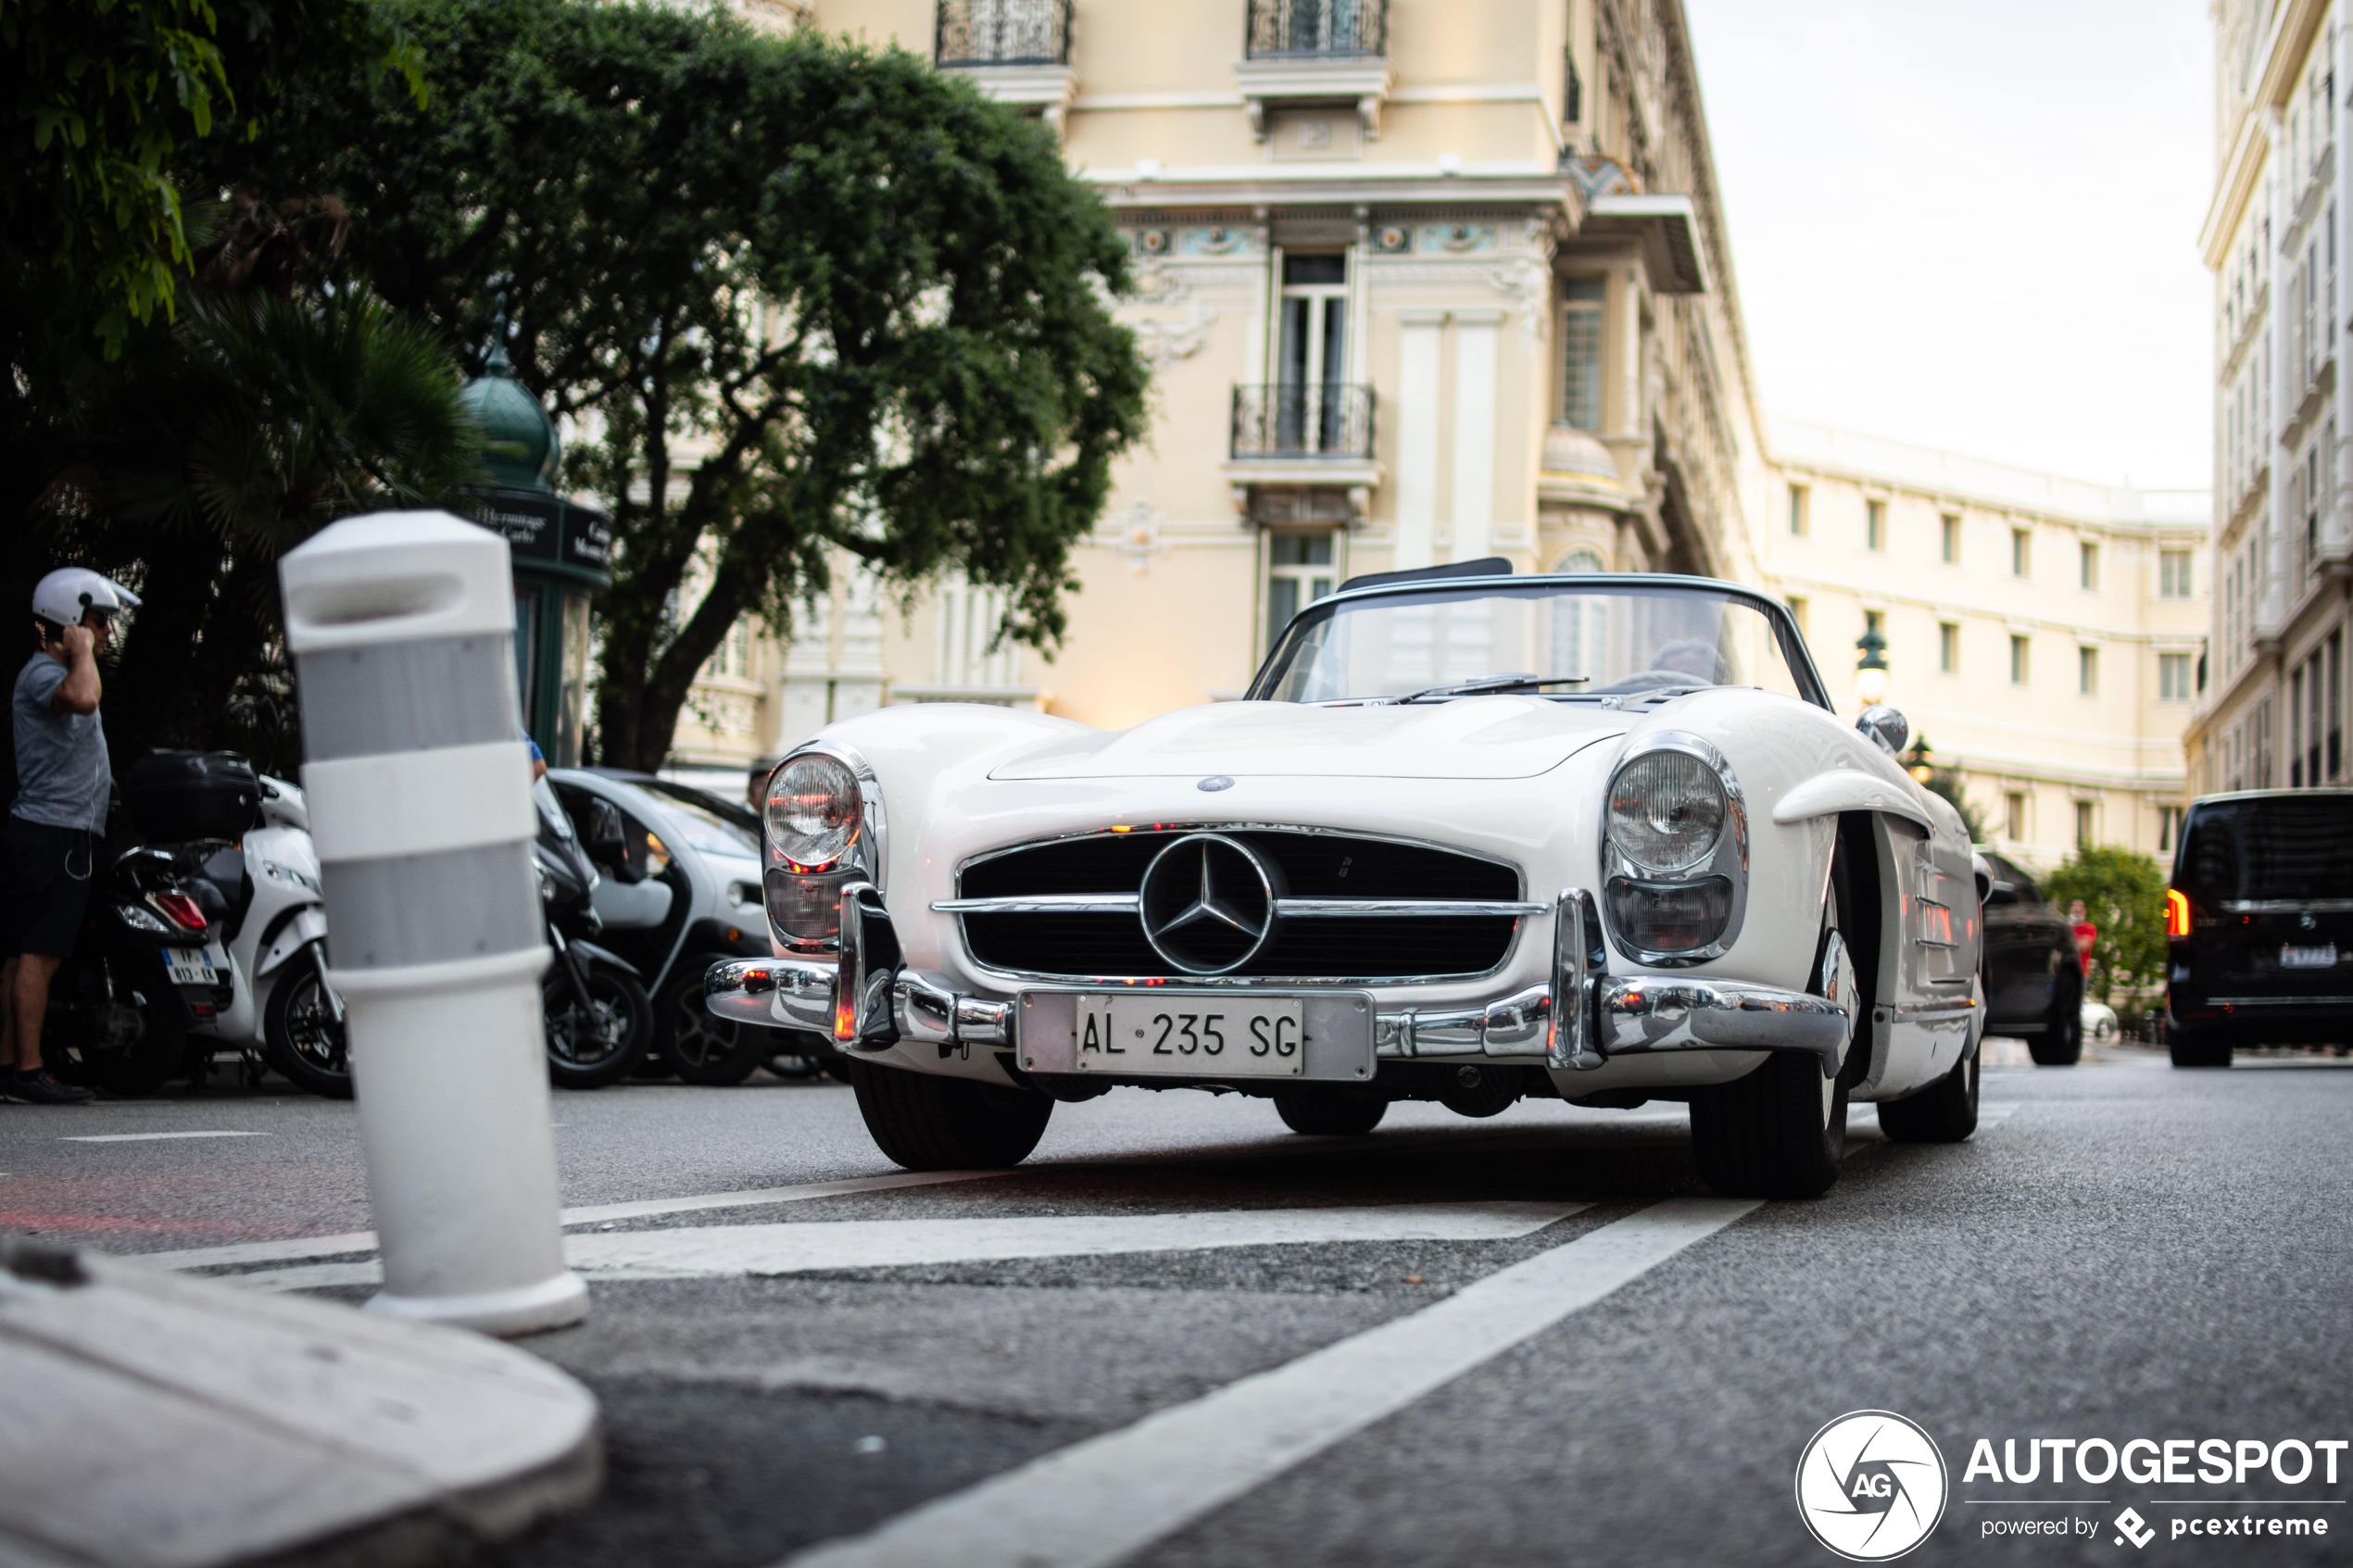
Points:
(1615, 1370)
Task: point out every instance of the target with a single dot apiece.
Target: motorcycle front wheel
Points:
(599, 1043)
(302, 1032)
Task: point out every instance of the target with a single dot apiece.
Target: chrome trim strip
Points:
(1302, 909)
(1646, 1014)
(1580, 962)
(2279, 1001)
(2287, 905)
(1182, 828)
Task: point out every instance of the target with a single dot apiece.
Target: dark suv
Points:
(2033, 979)
(2259, 924)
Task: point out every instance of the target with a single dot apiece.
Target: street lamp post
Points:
(1870, 670)
(1921, 762)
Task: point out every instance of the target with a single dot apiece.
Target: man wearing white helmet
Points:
(58, 817)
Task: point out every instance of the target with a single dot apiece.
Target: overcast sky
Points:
(1974, 226)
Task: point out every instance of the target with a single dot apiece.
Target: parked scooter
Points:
(208, 936)
(598, 1019)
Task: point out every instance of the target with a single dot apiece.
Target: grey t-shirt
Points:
(62, 777)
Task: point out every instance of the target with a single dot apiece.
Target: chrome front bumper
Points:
(869, 1001)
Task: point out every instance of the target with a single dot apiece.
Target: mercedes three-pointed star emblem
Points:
(1207, 903)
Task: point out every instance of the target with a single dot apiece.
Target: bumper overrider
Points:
(869, 1000)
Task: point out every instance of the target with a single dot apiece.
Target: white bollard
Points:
(402, 626)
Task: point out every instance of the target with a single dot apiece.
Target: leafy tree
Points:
(2123, 895)
(799, 295)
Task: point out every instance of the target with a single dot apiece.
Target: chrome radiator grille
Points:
(1344, 907)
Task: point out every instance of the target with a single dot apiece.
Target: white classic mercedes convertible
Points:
(1471, 836)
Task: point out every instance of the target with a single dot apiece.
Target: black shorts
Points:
(45, 887)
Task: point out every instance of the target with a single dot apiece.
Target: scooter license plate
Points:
(191, 966)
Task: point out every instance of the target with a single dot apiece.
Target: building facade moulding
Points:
(1361, 81)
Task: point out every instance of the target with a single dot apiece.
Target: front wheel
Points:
(302, 1031)
(1338, 1113)
(1781, 1131)
(2061, 1042)
(599, 1043)
(1947, 1113)
(696, 1047)
(927, 1123)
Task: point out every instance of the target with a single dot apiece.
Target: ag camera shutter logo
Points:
(1871, 1485)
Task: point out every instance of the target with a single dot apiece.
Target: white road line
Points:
(1096, 1502)
(156, 1137)
(713, 1251)
(295, 1249)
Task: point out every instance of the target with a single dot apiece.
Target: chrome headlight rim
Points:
(1728, 858)
(868, 856)
(1700, 854)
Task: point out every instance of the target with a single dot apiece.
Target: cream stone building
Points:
(2272, 710)
(1423, 282)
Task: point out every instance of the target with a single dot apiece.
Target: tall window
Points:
(1875, 525)
(2172, 677)
(1581, 352)
(2169, 828)
(2020, 662)
(1948, 539)
(1299, 571)
(2084, 812)
(2087, 566)
(2087, 671)
(1799, 504)
(2016, 822)
(1948, 647)
(1314, 352)
(2021, 553)
(2174, 574)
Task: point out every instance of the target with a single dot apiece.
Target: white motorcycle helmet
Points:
(61, 598)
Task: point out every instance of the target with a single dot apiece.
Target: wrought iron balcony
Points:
(1003, 32)
(1317, 30)
(1310, 420)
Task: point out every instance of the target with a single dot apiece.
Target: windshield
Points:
(1603, 639)
(2291, 847)
(711, 826)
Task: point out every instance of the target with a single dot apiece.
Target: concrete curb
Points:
(154, 1420)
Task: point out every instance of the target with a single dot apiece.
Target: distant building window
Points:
(1948, 647)
(2087, 566)
(2021, 553)
(1948, 531)
(1875, 525)
(1798, 497)
(2172, 677)
(2084, 814)
(1797, 613)
(2169, 828)
(2174, 574)
(2087, 671)
(2015, 822)
(1581, 352)
(1299, 571)
(2021, 664)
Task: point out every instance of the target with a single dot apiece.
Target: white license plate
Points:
(1191, 1036)
(2323, 957)
(191, 966)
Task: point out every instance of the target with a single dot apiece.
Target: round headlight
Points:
(812, 811)
(1665, 811)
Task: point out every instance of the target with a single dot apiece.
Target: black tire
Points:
(589, 1050)
(1944, 1113)
(2061, 1042)
(1334, 1114)
(927, 1123)
(696, 1047)
(1780, 1131)
(300, 1033)
(134, 1069)
(2197, 1047)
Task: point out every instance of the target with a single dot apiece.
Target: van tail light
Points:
(2177, 912)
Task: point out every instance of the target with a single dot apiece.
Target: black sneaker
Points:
(38, 1088)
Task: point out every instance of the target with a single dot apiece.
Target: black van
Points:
(2259, 924)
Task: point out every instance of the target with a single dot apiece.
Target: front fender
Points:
(1848, 789)
(309, 925)
(591, 953)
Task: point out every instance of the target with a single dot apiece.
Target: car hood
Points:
(1487, 738)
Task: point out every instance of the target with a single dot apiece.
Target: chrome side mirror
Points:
(1887, 726)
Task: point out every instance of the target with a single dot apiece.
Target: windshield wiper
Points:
(1486, 685)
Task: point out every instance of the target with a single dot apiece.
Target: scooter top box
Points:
(177, 796)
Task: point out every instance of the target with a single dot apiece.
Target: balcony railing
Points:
(1003, 32)
(1312, 420)
(1317, 30)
